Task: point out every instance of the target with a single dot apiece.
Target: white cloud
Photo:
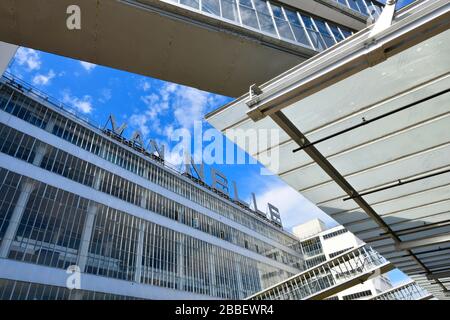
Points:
(44, 79)
(105, 95)
(29, 58)
(140, 121)
(294, 208)
(83, 104)
(87, 66)
(172, 107)
(145, 85)
(189, 105)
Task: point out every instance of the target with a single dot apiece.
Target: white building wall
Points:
(308, 229)
(343, 241)
(7, 52)
(330, 245)
(348, 240)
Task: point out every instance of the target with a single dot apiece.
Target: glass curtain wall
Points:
(273, 19)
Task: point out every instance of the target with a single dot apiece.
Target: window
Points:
(316, 39)
(284, 30)
(248, 14)
(357, 295)
(323, 30)
(191, 3)
(195, 223)
(335, 254)
(297, 28)
(264, 17)
(335, 233)
(229, 10)
(211, 6)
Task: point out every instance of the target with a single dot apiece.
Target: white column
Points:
(42, 148)
(86, 236)
(98, 180)
(143, 203)
(139, 253)
(180, 262)
(240, 284)
(50, 125)
(25, 192)
(40, 153)
(212, 274)
(76, 295)
(27, 187)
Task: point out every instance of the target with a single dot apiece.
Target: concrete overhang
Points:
(152, 38)
(7, 52)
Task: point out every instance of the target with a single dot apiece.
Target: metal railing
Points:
(328, 277)
(407, 291)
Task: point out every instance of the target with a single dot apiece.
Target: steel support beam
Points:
(297, 136)
(404, 245)
(438, 275)
(366, 52)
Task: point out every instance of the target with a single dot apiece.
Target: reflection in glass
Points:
(191, 3)
(297, 28)
(283, 27)
(316, 40)
(248, 17)
(265, 19)
(211, 6)
(229, 10)
(336, 33)
(324, 32)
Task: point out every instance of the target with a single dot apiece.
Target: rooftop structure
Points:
(220, 46)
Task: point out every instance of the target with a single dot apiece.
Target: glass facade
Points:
(53, 223)
(272, 19)
(27, 148)
(312, 247)
(94, 141)
(51, 226)
(365, 7)
(19, 290)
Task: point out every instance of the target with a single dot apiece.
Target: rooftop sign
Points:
(220, 184)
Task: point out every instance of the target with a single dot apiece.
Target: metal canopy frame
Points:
(348, 58)
(419, 23)
(281, 120)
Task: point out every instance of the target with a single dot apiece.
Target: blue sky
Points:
(156, 108)
(400, 3)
